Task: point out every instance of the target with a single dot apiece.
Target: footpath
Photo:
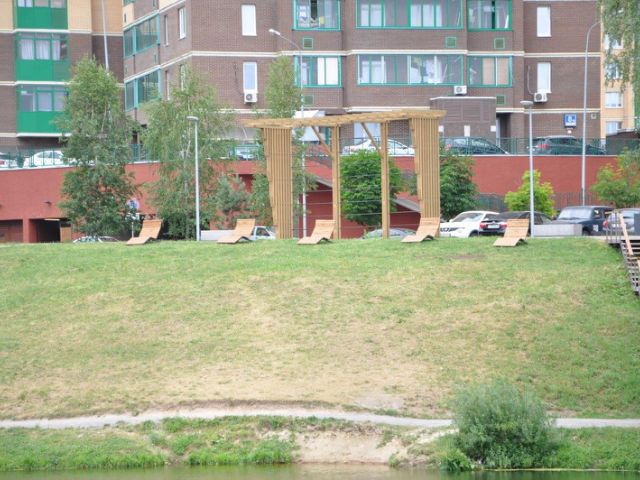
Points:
(98, 421)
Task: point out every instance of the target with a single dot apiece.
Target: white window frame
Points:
(618, 127)
(250, 69)
(167, 83)
(543, 83)
(613, 95)
(166, 30)
(182, 72)
(182, 23)
(543, 24)
(248, 20)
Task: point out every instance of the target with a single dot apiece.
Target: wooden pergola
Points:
(276, 134)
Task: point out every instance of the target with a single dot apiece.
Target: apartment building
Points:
(40, 40)
(620, 111)
(477, 59)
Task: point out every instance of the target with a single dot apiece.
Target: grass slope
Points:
(376, 324)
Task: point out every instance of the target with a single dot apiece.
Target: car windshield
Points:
(469, 217)
(575, 213)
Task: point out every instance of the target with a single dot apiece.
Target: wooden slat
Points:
(335, 181)
(384, 176)
(427, 164)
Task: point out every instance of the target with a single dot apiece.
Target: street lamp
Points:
(529, 104)
(195, 120)
(583, 193)
(302, 160)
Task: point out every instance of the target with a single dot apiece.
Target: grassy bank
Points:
(275, 440)
(368, 324)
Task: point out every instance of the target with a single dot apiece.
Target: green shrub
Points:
(454, 460)
(501, 427)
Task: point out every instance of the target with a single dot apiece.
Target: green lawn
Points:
(368, 324)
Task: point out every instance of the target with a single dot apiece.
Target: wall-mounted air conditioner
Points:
(540, 97)
(250, 96)
(460, 90)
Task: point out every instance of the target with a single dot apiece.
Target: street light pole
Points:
(195, 120)
(583, 192)
(302, 160)
(529, 104)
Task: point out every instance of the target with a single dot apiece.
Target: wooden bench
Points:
(322, 230)
(516, 232)
(243, 231)
(150, 231)
(429, 228)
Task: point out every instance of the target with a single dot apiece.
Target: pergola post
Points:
(384, 177)
(335, 181)
(426, 143)
(277, 149)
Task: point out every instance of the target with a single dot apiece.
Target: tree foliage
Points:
(361, 187)
(620, 185)
(230, 199)
(542, 195)
(169, 138)
(621, 23)
(458, 192)
(97, 137)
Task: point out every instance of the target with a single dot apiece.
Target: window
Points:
(544, 21)
(320, 71)
(317, 14)
(141, 36)
(42, 3)
(409, 69)
(612, 71)
(250, 76)
(544, 77)
(182, 71)
(41, 98)
(409, 14)
(489, 14)
(608, 43)
(166, 30)
(249, 20)
(42, 46)
(613, 127)
(182, 23)
(613, 99)
(142, 90)
(167, 83)
(489, 71)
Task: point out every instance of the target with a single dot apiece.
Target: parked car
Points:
(497, 224)
(466, 224)
(591, 217)
(7, 160)
(394, 148)
(628, 215)
(562, 145)
(260, 232)
(394, 233)
(45, 158)
(471, 146)
(95, 239)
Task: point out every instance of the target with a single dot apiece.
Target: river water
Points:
(307, 472)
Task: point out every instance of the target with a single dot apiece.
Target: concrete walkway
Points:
(211, 413)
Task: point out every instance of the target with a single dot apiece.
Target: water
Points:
(308, 472)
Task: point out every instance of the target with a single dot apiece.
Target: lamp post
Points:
(195, 120)
(529, 104)
(583, 193)
(302, 160)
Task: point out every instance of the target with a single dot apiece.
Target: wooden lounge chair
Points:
(515, 233)
(243, 231)
(322, 230)
(150, 231)
(428, 228)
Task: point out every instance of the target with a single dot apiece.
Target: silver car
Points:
(612, 223)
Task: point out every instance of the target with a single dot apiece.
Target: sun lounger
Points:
(322, 230)
(150, 231)
(243, 231)
(515, 233)
(428, 228)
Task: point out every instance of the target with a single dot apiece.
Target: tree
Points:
(620, 186)
(169, 138)
(457, 190)
(542, 195)
(361, 187)
(230, 198)
(621, 23)
(96, 138)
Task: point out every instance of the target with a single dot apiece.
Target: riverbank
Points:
(278, 440)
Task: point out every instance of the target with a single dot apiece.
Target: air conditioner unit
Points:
(460, 90)
(250, 97)
(540, 97)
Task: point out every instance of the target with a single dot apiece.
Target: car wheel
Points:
(585, 232)
(474, 234)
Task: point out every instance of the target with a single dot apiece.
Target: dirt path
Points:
(298, 412)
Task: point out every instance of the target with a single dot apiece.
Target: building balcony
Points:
(43, 70)
(41, 17)
(37, 122)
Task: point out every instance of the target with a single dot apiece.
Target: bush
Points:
(454, 460)
(501, 427)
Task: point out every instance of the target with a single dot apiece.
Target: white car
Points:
(45, 158)
(394, 147)
(466, 224)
